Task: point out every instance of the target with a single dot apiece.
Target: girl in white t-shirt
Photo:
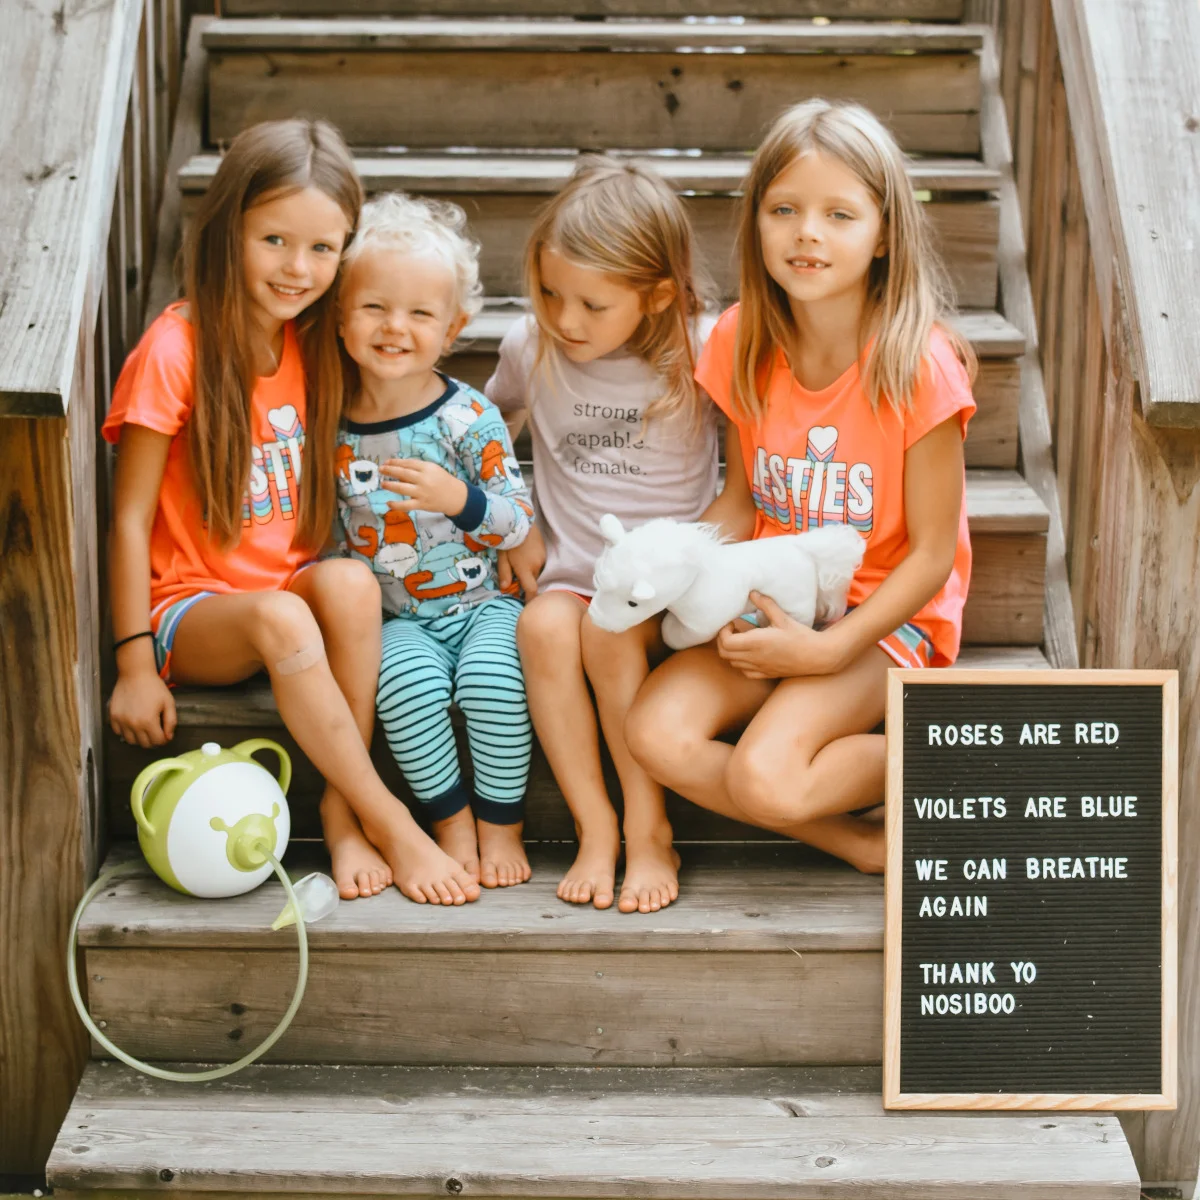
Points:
(603, 372)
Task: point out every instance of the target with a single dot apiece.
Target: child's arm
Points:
(488, 500)
(933, 486)
(142, 709)
(733, 509)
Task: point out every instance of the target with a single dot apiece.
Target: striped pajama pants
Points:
(469, 658)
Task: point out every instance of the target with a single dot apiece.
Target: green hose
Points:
(215, 1072)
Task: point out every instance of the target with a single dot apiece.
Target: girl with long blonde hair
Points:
(226, 417)
(603, 371)
(848, 400)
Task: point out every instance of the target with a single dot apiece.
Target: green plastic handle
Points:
(141, 784)
(252, 745)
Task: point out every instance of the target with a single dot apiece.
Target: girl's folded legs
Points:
(548, 635)
(802, 763)
(226, 638)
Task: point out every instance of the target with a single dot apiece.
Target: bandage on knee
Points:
(304, 658)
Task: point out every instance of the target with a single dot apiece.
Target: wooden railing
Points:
(1103, 100)
(81, 182)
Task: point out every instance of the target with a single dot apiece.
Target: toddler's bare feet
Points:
(420, 868)
(592, 876)
(502, 859)
(456, 835)
(651, 871)
(358, 868)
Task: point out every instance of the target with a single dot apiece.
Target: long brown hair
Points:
(907, 290)
(626, 221)
(266, 161)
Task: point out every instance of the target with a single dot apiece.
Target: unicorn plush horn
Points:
(611, 529)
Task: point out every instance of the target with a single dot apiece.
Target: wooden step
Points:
(859, 10)
(229, 715)
(711, 85)
(502, 194)
(395, 982)
(673, 1134)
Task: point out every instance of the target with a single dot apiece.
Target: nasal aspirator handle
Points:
(253, 745)
(141, 785)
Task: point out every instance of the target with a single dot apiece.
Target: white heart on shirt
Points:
(284, 419)
(823, 438)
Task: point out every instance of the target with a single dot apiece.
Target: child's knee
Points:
(347, 587)
(759, 790)
(282, 626)
(651, 740)
(549, 624)
(502, 695)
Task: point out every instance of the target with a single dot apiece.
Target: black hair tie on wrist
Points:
(133, 637)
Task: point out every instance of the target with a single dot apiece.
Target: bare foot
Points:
(651, 872)
(456, 835)
(870, 854)
(502, 859)
(592, 876)
(420, 868)
(358, 868)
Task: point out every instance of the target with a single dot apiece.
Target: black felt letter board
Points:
(1032, 891)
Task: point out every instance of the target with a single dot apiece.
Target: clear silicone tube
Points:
(215, 1072)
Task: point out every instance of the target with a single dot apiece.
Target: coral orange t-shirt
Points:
(155, 390)
(824, 457)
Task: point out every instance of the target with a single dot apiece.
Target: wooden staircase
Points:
(728, 1047)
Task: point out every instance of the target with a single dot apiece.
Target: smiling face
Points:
(291, 247)
(399, 313)
(820, 228)
(593, 313)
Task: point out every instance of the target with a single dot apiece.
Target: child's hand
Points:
(781, 649)
(142, 709)
(424, 486)
(525, 562)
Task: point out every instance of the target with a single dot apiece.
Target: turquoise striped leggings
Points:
(470, 658)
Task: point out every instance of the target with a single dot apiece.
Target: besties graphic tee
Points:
(823, 457)
(155, 390)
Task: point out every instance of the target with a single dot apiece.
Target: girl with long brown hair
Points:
(226, 417)
(848, 399)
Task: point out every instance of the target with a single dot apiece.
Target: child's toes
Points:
(489, 875)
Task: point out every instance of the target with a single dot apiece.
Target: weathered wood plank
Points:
(73, 64)
(911, 10)
(770, 1092)
(780, 896)
(666, 1157)
(496, 1006)
(1138, 76)
(1058, 622)
(502, 195)
(433, 98)
(186, 140)
(1005, 602)
(520, 33)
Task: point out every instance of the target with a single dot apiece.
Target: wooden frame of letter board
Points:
(892, 1096)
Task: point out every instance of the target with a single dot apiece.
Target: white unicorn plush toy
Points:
(704, 581)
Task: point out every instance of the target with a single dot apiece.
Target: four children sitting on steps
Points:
(374, 562)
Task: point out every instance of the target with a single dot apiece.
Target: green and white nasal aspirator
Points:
(214, 823)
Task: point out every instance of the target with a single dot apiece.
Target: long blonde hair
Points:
(269, 159)
(625, 220)
(907, 290)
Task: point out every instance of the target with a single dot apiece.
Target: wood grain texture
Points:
(496, 1006)
(563, 34)
(912, 10)
(1138, 74)
(1005, 602)
(1058, 624)
(60, 143)
(756, 1145)
(587, 98)
(501, 210)
(780, 896)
